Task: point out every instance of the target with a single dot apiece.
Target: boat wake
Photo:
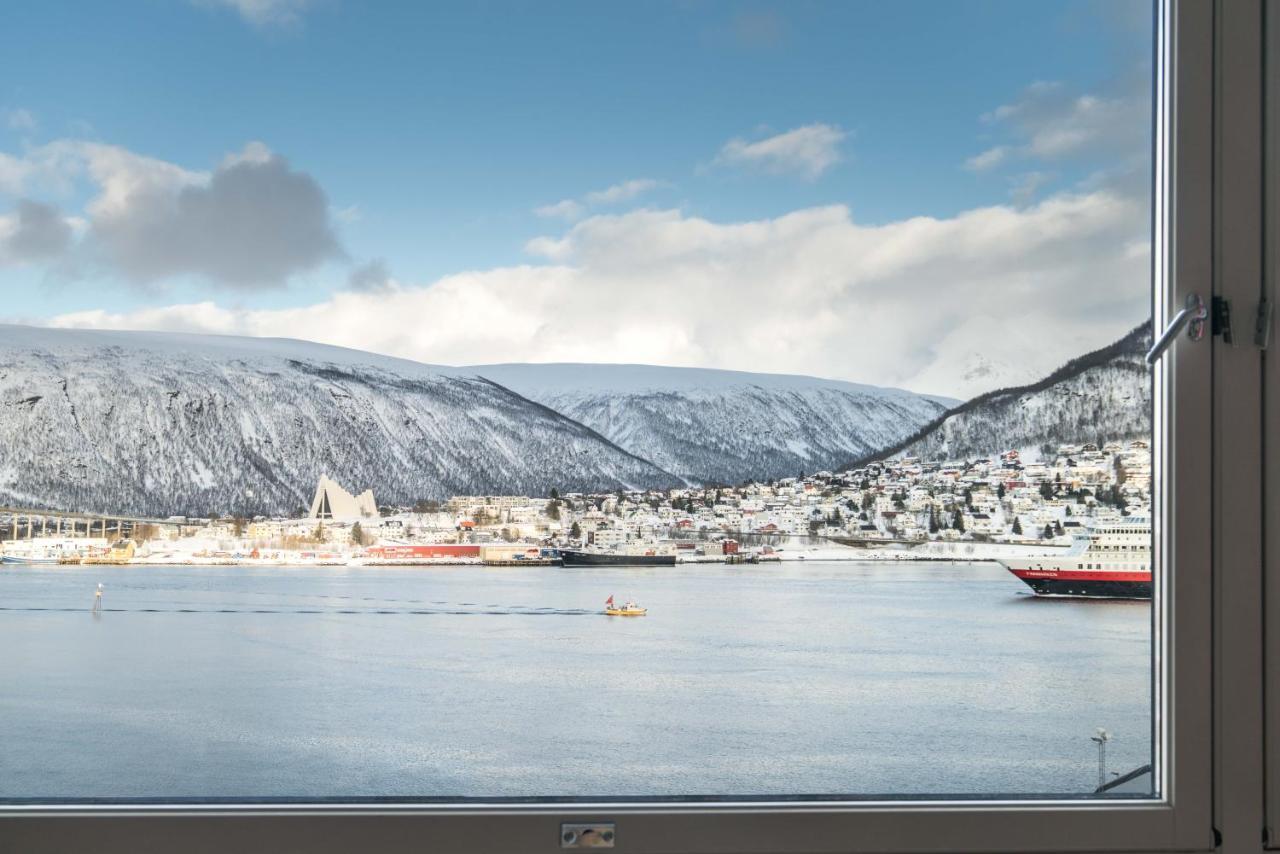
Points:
(495, 611)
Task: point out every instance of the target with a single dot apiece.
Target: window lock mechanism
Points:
(1195, 313)
(1192, 318)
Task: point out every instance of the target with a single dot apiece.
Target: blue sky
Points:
(435, 131)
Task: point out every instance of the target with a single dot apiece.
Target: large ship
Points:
(628, 557)
(48, 550)
(1111, 561)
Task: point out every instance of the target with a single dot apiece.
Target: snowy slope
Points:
(156, 423)
(723, 426)
(1100, 396)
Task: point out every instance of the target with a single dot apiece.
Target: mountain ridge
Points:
(715, 426)
(165, 423)
(1122, 359)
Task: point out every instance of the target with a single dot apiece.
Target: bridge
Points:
(18, 523)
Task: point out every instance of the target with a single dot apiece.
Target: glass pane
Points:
(508, 400)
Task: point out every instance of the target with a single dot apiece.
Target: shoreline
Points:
(823, 556)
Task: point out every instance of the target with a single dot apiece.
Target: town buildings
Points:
(1015, 497)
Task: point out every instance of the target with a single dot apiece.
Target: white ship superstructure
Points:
(49, 550)
(1112, 560)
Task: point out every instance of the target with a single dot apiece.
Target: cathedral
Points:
(334, 502)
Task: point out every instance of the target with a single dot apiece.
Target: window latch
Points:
(1262, 324)
(1192, 318)
(1222, 320)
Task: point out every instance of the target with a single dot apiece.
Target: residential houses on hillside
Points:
(1004, 498)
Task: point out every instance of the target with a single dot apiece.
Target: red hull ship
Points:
(1112, 562)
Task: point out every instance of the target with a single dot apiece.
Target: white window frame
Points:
(1207, 558)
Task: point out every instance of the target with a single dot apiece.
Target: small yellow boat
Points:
(630, 609)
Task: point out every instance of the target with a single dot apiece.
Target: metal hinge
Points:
(1221, 317)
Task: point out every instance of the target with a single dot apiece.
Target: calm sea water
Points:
(816, 678)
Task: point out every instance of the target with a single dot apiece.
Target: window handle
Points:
(1193, 316)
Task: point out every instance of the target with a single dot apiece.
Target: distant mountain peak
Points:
(1104, 394)
(718, 426)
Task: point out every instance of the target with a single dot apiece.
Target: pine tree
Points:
(1017, 525)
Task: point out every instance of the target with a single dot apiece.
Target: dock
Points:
(535, 561)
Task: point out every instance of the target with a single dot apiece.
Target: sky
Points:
(942, 196)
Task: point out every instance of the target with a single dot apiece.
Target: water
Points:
(814, 678)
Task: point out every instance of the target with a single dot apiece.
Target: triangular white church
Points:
(334, 502)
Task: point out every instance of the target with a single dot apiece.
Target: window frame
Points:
(1270, 393)
(1189, 49)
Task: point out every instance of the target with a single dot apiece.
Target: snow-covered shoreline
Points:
(962, 552)
(944, 552)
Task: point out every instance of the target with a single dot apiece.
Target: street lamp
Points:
(1101, 740)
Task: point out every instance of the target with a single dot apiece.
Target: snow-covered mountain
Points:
(1097, 397)
(157, 424)
(712, 426)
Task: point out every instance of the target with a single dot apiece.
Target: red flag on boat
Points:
(609, 601)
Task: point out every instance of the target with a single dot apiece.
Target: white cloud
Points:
(33, 232)
(20, 120)
(573, 209)
(14, 172)
(1061, 129)
(348, 215)
(563, 209)
(1024, 187)
(263, 13)
(370, 277)
(1050, 123)
(254, 153)
(622, 192)
(809, 292)
(988, 159)
(253, 221)
(808, 151)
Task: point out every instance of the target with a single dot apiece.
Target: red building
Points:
(427, 551)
